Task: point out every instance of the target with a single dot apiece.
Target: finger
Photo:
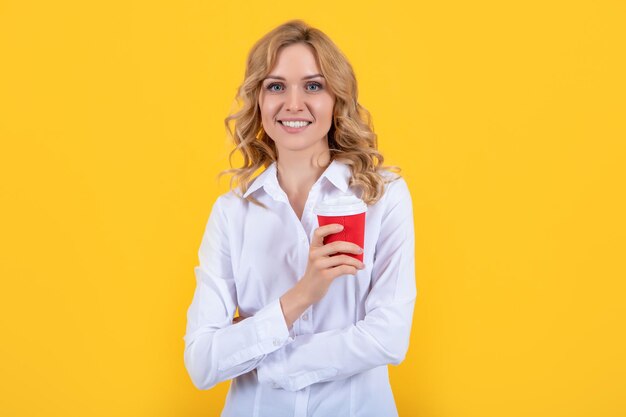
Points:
(339, 246)
(323, 231)
(343, 270)
(333, 261)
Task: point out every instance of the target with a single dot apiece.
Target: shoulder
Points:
(228, 198)
(230, 205)
(396, 188)
(395, 205)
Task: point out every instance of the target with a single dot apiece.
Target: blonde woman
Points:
(315, 332)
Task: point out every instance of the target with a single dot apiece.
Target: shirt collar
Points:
(338, 173)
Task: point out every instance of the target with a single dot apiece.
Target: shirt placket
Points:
(304, 325)
(309, 221)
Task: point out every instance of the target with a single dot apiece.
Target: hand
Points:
(320, 272)
(322, 268)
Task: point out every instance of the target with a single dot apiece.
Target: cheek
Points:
(268, 110)
(324, 109)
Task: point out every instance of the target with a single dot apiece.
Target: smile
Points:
(294, 127)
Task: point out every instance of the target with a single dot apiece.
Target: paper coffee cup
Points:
(349, 211)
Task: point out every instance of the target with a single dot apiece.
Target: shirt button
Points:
(276, 342)
(305, 316)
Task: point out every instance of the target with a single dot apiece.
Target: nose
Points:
(294, 100)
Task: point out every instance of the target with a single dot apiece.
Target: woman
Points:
(315, 332)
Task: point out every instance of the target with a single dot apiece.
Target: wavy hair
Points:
(351, 137)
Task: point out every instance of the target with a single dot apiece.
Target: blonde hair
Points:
(351, 138)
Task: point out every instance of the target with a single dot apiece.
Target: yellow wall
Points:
(508, 122)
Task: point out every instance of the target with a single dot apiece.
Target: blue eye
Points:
(269, 87)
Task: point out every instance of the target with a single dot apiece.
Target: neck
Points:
(297, 176)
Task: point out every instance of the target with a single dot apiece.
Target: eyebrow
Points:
(308, 77)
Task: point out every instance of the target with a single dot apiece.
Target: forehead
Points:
(295, 61)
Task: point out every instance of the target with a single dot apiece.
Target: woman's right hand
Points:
(320, 272)
(322, 268)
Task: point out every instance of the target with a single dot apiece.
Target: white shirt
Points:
(333, 361)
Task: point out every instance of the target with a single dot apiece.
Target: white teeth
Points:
(295, 124)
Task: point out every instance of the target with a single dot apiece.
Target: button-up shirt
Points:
(333, 361)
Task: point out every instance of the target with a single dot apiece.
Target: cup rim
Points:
(323, 209)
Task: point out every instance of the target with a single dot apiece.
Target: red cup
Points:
(348, 211)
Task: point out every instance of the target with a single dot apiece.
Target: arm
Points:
(215, 348)
(382, 337)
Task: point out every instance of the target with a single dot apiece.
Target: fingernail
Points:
(360, 250)
(339, 227)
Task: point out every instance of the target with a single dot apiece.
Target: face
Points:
(295, 90)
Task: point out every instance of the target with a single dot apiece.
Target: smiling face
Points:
(296, 91)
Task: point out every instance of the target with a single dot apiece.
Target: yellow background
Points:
(506, 117)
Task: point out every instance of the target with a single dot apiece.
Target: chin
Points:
(294, 146)
(295, 143)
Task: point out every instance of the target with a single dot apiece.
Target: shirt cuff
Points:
(271, 370)
(271, 327)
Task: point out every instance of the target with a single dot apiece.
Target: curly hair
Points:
(351, 138)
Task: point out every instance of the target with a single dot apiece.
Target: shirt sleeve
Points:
(215, 348)
(382, 337)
